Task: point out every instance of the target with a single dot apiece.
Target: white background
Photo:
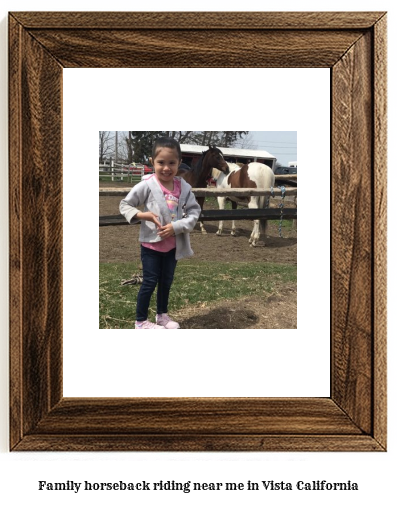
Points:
(19, 473)
(260, 363)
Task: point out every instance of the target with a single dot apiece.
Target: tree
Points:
(106, 145)
(247, 142)
(139, 144)
(230, 138)
(221, 137)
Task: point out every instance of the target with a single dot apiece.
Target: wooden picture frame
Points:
(353, 46)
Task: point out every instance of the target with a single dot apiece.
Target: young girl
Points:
(170, 213)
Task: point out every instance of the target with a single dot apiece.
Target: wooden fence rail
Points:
(220, 214)
(211, 215)
(215, 192)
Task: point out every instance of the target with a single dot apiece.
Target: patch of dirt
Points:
(277, 311)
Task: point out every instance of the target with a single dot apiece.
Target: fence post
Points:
(295, 222)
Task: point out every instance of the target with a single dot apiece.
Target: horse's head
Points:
(214, 158)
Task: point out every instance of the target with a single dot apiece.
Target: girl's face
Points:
(166, 164)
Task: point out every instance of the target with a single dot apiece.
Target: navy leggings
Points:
(158, 269)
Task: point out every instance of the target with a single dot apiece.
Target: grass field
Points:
(196, 284)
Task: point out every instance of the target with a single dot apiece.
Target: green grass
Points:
(286, 225)
(195, 284)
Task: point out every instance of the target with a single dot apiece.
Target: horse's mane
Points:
(199, 164)
(197, 168)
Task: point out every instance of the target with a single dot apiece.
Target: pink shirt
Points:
(172, 199)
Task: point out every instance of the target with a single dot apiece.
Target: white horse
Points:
(253, 175)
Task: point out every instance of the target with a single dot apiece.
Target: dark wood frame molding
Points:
(353, 46)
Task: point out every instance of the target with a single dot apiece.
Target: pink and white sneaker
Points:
(164, 320)
(146, 324)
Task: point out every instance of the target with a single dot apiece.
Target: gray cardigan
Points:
(149, 193)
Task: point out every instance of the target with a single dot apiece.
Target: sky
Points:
(281, 144)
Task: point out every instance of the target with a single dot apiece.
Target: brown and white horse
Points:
(253, 175)
(197, 177)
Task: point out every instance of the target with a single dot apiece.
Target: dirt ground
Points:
(276, 311)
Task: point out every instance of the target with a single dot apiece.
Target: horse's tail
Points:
(264, 200)
(262, 203)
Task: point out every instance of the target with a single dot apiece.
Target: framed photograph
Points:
(353, 46)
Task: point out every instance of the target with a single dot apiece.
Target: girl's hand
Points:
(166, 231)
(149, 217)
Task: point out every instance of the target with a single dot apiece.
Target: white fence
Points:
(119, 172)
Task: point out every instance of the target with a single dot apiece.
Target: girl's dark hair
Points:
(166, 142)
